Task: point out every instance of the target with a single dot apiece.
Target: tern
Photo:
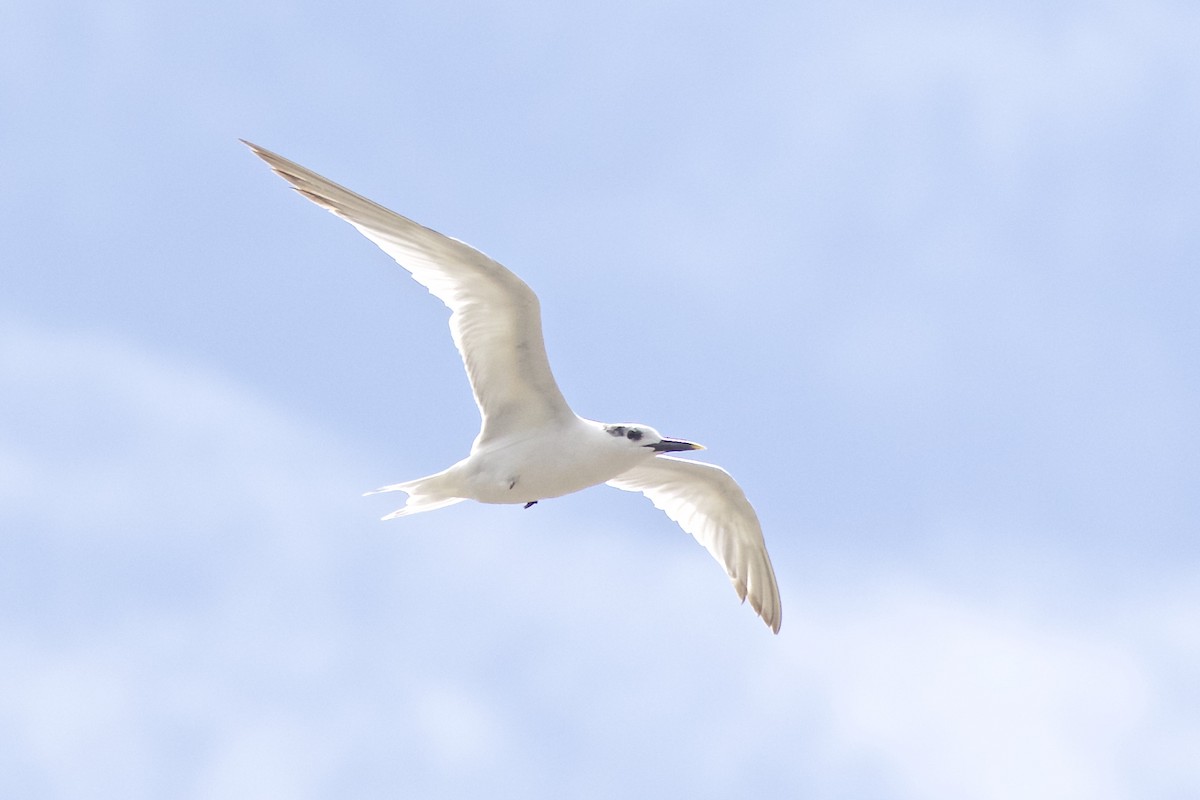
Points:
(531, 446)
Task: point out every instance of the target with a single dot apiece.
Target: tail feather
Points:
(424, 494)
(395, 487)
(415, 506)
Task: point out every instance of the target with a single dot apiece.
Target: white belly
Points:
(546, 466)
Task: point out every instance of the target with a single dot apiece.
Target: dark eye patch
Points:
(633, 435)
(618, 430)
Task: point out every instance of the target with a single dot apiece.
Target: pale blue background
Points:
(922, 276)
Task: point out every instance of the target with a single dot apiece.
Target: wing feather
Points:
(495, 317)
(707, 503)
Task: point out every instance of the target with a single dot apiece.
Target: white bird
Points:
(531, 446)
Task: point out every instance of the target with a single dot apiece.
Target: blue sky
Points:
(922, 277)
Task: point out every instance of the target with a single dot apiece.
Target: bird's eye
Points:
(634, 434)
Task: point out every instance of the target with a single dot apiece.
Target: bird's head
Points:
(634, 435)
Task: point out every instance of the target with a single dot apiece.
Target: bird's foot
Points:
(531, 503)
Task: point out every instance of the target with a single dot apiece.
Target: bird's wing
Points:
(495, 318)
(707, 503)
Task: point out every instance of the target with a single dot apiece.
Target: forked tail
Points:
(424, 494)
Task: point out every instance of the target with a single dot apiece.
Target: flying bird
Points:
(531, 446)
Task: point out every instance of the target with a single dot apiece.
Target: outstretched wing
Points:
(495, 318)
(707, 503)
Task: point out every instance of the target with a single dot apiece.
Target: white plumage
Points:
(531, 446)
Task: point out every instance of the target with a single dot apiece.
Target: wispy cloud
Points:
(198, 604)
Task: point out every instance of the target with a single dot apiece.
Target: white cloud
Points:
(954, 699)
(224, 617)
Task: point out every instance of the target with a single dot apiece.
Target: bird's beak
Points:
(673, 446)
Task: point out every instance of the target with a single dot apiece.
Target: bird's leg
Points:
(531, 503)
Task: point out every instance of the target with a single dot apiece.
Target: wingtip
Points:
(272, 158)
(773, 617)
